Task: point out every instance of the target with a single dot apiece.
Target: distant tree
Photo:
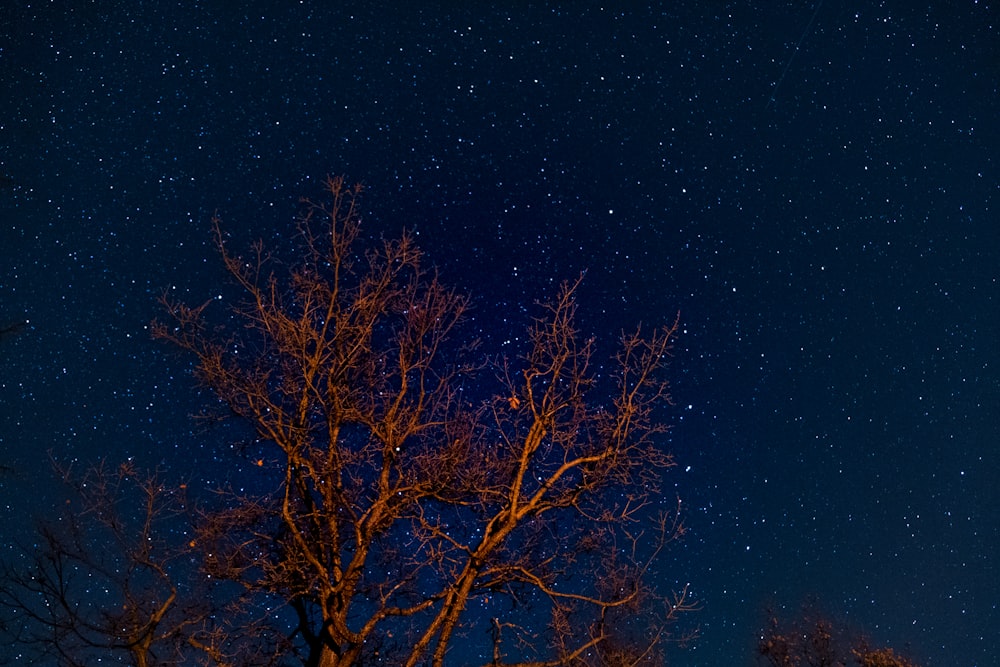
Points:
(97, 582)
(880, 657)
(420, 485)
(812, 641)
(110, 578)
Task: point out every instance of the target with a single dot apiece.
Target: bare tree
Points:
(116, 577)
(99, 581)
(813, 641)
(880, 657)
(420, 484)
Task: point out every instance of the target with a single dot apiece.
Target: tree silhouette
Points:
(113, 578)
(99, 581)
(812, 641)
(418, 485)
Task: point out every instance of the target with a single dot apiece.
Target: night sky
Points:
(814, 186)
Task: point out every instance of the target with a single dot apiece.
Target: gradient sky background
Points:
(813, 185)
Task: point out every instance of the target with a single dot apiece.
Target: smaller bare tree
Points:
(113, 577)
(879, 657)
(100, 581)
(813, 641)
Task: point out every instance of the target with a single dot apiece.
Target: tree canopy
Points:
(424, 484)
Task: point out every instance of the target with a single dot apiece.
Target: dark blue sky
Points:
(825, 219)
